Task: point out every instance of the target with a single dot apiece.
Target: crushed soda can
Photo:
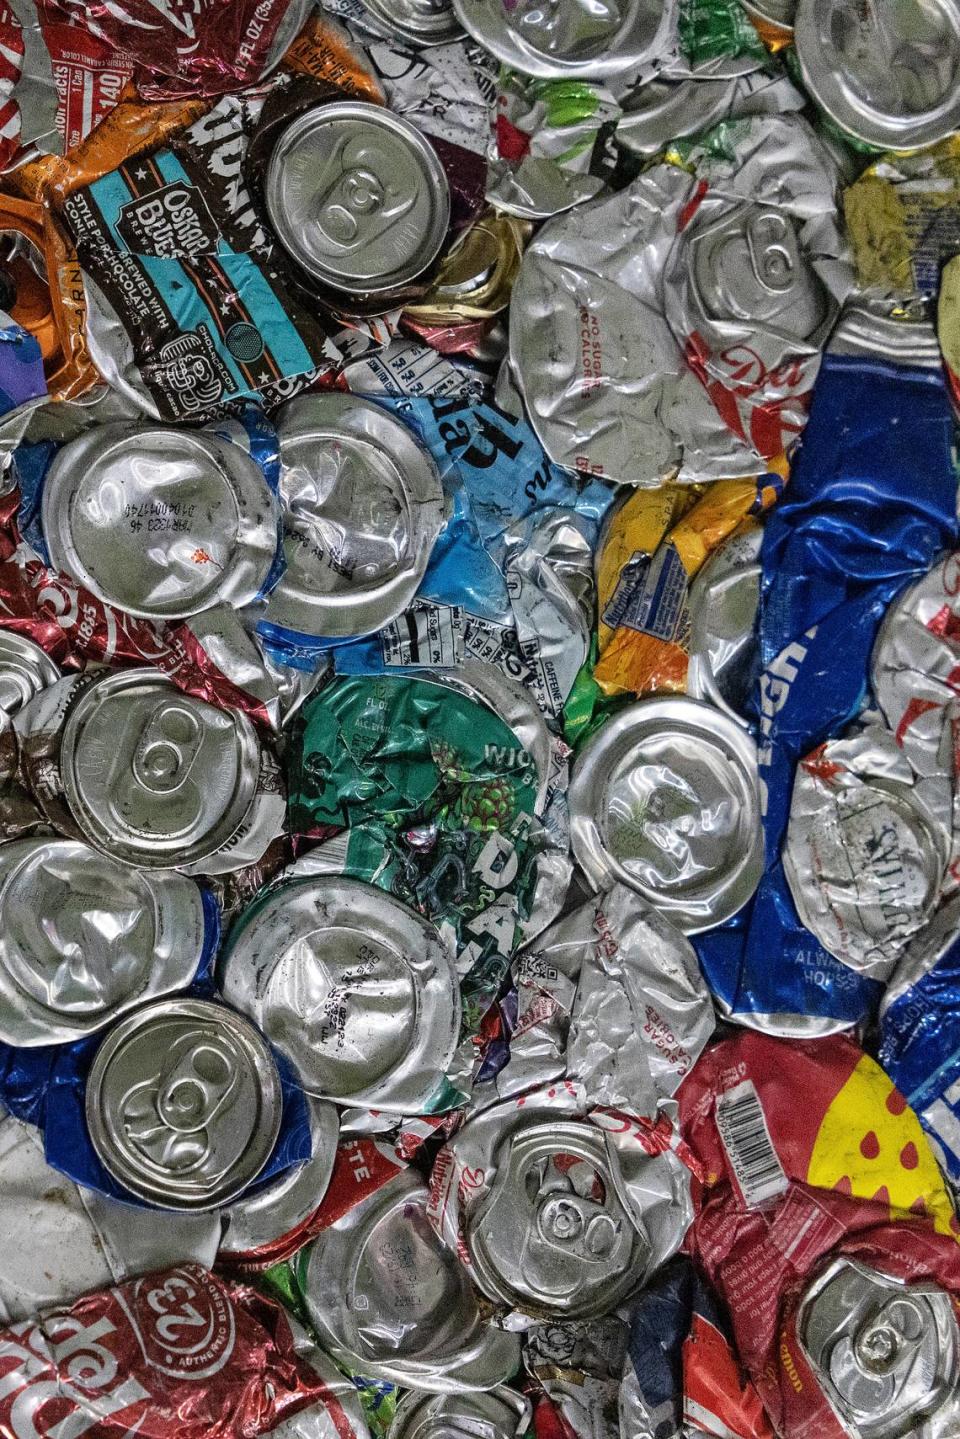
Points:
(86, 938)
(664, 799)
(886, 76)
(131, 1359)
(706, 297)
(492, 1414)
(724, 601)
(558, 1211)
(864, 857)
(183, 1104)
(368, 1014)
(389, 1300)
(570, 41)
(611, 997)
(797, 1192)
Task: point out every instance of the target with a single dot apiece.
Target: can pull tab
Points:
(355, 204)
(167, 748)
(197, 1087)
(772, 244)
(579, 1227)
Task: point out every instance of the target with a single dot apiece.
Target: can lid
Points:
(25, 670)
(389, 1299)
(358, 991)
(153, 776)
(663, 110)
(163, 522)
(357, 196)
(418, 22)
(497, 1414)
(887, 71)
(265, 1214)
(183, 1104)
(886, 1353)
(723, 603)
(570, 40)
(665, 799)
(363, 505)
(83, 938)
(775, 12)
(553, 1237)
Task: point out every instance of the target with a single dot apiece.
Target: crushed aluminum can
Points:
(266, 1213)
(610, 996)
(664, 798)
(864, 857)
(358, 991)
(886, 73)
(338, 1413)
(183, 1104)
(477, 273)
(416, 22)
(25, 670)
(886, 1353)
(362, 507)
(134, 1362)
(913, 676)
(84, 938)
(495, 1414)
(552, 1236)
(948, 327)
(920, 1032)
(388, 1300)
(162, 522)
(724, 600)
(571, 39)
(154, 777)
(358, 198)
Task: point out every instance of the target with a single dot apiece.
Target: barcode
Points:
(743, 1129)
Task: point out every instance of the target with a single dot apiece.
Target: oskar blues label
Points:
(171, 241)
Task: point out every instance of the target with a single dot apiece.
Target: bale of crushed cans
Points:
(479, 719)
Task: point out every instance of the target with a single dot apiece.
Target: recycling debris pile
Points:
(479, 699)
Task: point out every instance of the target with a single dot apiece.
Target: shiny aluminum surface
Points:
(183, 1104)
(724, 599)
(664, 799)
(497, 1414)
(358, 991)
(24, 671)
(570, 38)
(887, 71)
(886, 1353)
(388, 1299)
(358, 197)
(162, 522)
(362, 507)
(84, 938)
(864, 857)
(267, 1213)
(153, 776)
(514, 704)
(553, 1236)
(664, 110)
(417, 22)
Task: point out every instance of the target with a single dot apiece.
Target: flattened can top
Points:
(665, 799)
(183, 1104)
(498, 1414)
(418, 22)
(886, 1353)
(25, 670)
(153, 776)
(362, 507)
(553, 1236)
(83, 938)
(357, 990)
(388, 1299)
(887, 71)
(163, 522)
(357, 197)
(570, 38)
